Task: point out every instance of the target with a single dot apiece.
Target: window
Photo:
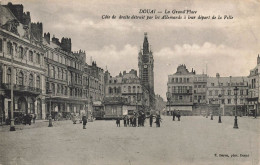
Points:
(195, 86)
(8, 76)
(212, 84)
(38, 82)
(229, 92)
(223, 101)
(10, 48)
(30, 80)
(20, 52)
(194, 91)
(199, 86)
(31, 56)
(38, 58)
(188, 80)
(180, 97)
(241, 92)
(210, 93)
(195, 97)
(180, 80)
(229, 101)
(129, 89)
(1, 45)
(241, 101)
(20, 78)
(222, 92)
(61, 90)
(133, 89)
(53, 88)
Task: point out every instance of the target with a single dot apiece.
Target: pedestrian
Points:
(125, 121)
(118, 122)
(134, 121)
(84, 120)
(173, 115)
(151, 120)
(178, 115)
(34, 118)
(74, 119)
(158, 120)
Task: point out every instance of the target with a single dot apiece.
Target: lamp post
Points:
(50, 117)
(219, 115)
(12, 127)
(211, 115)
(235, 121)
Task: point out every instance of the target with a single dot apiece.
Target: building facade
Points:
(64, 77)
(180, 90)
(22, 62)
(199, 94)
(222, 96)
(253, 90)
(127, 91)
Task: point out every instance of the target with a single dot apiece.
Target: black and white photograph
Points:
(118, 82)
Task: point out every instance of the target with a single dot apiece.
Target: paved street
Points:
(193, 140)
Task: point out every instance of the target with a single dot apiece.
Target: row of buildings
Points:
(47, 77)
(197, 94)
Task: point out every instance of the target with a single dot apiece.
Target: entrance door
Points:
(22, 105)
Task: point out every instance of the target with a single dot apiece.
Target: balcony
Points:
(22, 88)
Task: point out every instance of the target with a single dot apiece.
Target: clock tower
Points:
(146, 65)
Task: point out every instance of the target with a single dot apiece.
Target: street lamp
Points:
(12, 127)
(235, 121)
(50, 117)
(211, 115)
(219, 115)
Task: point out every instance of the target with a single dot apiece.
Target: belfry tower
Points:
(146, 65)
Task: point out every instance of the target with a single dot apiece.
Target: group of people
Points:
(176, 114)
(138, 119)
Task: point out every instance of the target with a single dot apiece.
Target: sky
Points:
(227, 46)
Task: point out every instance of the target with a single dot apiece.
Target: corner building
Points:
(21, 49)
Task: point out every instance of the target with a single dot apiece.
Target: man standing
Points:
(173, 115)
(179, 115)
(118, 122)
(84, 120)
(151, 120)
(125, 121)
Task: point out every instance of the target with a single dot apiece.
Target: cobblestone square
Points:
(193, 140)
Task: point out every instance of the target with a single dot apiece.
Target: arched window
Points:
(30, 80)
(62, 76)
(110, 90)
(20, 52)
(8, 81)
(38, 82)
(129, 89)
(129, 99)
(115, 90)
(58, 73)
(20, 78)
(31, 56)
(9, 48)
(38, 58)
(138, 89)
(53, 72)
(133, 89)
(53, 88)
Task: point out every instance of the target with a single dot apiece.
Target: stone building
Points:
(64, 77)
(180, 90)
(21, 50)
(125, 95)
(199, 94)
(146, 69)
(253, 90)
(222, 98)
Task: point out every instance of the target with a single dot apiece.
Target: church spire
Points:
(145, 44)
